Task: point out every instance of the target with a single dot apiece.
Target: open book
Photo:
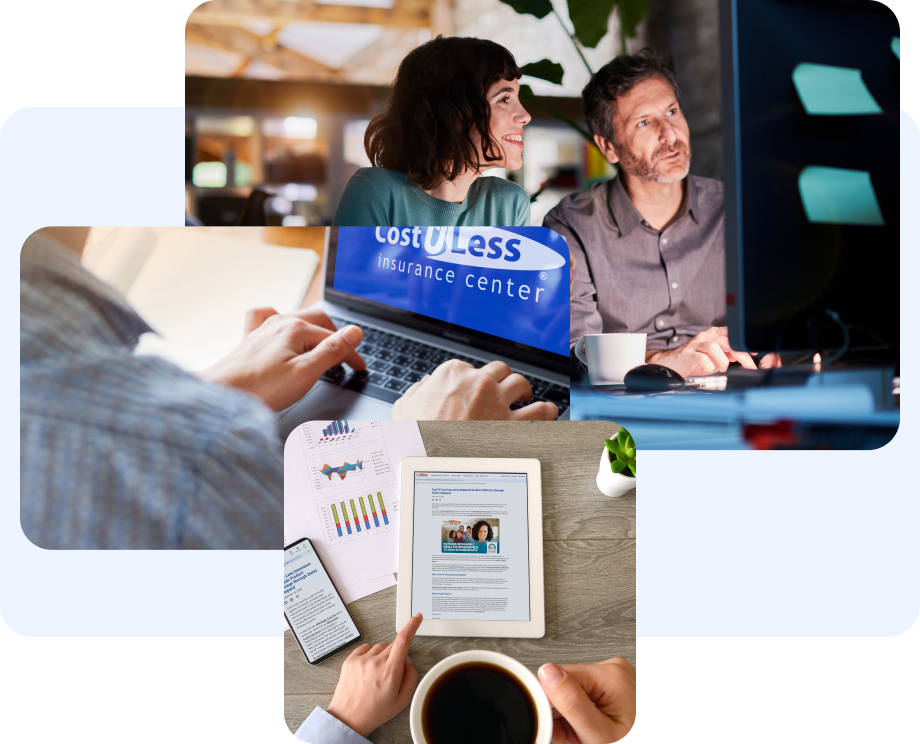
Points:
(194, 287)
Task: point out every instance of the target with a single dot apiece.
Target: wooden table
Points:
(589, 552)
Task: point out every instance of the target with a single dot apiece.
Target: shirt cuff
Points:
(322, 728)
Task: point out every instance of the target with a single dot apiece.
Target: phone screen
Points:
(313, 608)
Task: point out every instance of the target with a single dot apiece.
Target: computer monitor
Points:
(811, 114)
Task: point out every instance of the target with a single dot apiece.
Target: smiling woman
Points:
(454, 111)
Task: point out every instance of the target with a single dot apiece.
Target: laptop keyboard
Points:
(394, 363)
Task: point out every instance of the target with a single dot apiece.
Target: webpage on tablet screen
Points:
(470, 551)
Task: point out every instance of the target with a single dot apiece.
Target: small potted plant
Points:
(617, 473)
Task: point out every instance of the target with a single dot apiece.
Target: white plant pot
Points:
(612, 484)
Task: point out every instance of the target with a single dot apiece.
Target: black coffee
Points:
(479, 703)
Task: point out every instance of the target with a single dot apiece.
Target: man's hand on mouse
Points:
(377, 682)
(704, 354)
(592, 703)
(282, 356)
(456, 391)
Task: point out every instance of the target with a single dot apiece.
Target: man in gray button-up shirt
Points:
(649, 245)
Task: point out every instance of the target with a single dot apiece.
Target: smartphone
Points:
(321, 622)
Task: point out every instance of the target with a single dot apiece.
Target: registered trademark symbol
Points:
(543, 275)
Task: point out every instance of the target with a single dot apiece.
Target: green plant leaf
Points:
(590, 19)
(631, 453)
(612, 445)
(631, 14)
(618, 466)
(632, 467)
(622, 436)
(630, 442)
(545, 70)
(537, 8)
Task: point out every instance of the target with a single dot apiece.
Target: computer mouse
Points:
(652, 378)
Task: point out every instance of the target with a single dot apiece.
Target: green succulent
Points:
(622, 453)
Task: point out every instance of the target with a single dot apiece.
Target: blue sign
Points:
(510, 282)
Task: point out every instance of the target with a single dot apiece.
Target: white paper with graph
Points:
(341, 490)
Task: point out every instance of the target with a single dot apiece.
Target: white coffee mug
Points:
(518, 670)
(609, 356)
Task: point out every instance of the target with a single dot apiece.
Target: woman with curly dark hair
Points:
(453, 112)
(482, 533)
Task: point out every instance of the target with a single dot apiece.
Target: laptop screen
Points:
(507, 285)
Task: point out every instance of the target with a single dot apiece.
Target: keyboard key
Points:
(333, 375)
(378, 365)
(413, 376)
(398, 385)
(397, 372)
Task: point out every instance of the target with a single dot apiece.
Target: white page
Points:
(195, 287)
(117, 255)
(378, 446)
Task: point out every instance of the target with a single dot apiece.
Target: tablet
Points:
(471, 547)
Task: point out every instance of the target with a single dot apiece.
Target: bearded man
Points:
(649, 245)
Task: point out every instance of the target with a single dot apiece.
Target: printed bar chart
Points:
(347, 523)
(335, 513)
(355, 514)
(383, 509)
(335, 428)
(364, 512)
(373, 510)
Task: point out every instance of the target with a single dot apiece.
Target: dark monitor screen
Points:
(811, 115)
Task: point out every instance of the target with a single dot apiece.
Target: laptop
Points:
(423, 295)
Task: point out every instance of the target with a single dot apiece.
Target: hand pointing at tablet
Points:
(377, 682)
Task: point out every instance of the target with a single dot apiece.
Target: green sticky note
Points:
(826, 90)
(839, 196)
(896, 46)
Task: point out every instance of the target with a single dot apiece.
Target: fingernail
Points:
(550, 675)
(417, 614)
(352, 334)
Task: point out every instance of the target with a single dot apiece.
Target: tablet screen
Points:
(469, 548)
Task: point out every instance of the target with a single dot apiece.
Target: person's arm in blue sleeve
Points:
(376, 684)
(322, 728)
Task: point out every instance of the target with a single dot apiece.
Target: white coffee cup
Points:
(609, 356)
(520, 672)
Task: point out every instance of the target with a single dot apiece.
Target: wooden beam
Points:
(263, 49)
(406, 13)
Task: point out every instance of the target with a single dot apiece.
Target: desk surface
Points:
(589, 550)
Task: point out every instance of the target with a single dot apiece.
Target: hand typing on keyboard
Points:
(457, 391)
(282, 356)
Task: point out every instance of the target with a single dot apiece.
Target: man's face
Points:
(653, 139)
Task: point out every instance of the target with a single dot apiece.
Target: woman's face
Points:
(483, 533)
(506, 125)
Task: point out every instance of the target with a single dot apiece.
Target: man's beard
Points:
(648, 170)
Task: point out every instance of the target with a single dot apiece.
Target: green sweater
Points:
(377, 196)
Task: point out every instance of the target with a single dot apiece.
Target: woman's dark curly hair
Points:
(476, 529)
(438, 98)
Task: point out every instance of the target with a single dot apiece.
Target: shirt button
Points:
(664, 241)
(673, 285)
(659, 322)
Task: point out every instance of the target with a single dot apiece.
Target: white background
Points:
(101, 690)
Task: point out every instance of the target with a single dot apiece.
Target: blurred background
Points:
(279, 93)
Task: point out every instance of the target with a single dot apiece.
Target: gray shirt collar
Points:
(627, 217)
